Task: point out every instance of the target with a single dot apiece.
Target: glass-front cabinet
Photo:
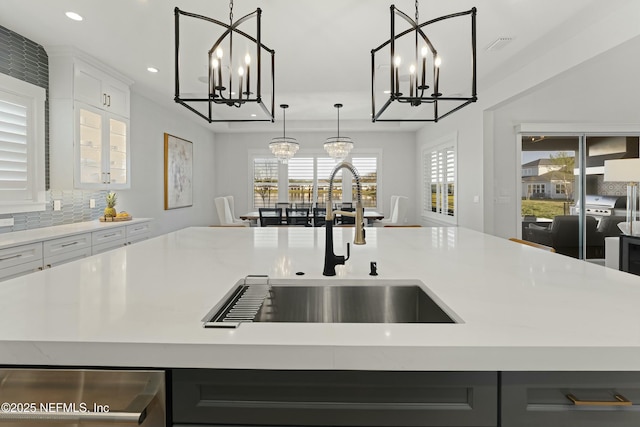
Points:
(102, 149)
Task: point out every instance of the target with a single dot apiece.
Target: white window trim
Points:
(447, 141)
(35, 146)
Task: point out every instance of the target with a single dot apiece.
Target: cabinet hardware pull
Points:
(620, 401)
(110, 235)
(108, 100)
(11, 257)
(69, 244)
(47, 266)
(104, 99)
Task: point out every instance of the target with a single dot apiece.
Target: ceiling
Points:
(323, 48)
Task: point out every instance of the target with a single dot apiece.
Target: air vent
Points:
(498, 43)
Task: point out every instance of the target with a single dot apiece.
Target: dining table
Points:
(369, 216)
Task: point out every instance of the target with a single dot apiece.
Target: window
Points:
(265, 182)
(325, 166)
(561, 189)
(536, 189)
(22, 169)
(439, 181)
(301, 180)
(367, 167)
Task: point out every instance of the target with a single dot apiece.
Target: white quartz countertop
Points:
(47, 233)
(142, 305)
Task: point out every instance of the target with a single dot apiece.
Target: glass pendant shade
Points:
(284, 148)
(338, 147)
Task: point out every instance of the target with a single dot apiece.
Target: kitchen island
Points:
(142, 305)
(533, 330)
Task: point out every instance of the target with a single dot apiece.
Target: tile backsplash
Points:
(75, 208)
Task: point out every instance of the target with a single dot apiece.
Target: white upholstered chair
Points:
(226, 214)
(398, 215)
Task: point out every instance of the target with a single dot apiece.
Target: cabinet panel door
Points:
(116, 97)
(65, 257)
(334, 398)
(533, 399)
(20, 270)
(88, 85)
(108, 235)
(22, 254)
(66, 244)
(117, 157)
(89, 172)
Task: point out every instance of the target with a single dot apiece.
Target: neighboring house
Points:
(540, 167)
(552, 183)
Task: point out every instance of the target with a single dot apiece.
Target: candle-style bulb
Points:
(219, 53)
(241, 71)
(214, 63)
(424, 51)
(412, 69)
(438, 61)
(247, 59)
(397, 61)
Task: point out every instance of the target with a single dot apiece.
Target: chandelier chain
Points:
(231, 11)
(416, 11)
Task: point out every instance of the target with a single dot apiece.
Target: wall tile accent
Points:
(28, 61)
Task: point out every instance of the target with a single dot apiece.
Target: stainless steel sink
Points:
(330, 301)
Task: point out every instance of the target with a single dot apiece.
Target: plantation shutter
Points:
(14, 156)
(439, 182)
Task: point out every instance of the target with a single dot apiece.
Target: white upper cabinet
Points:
(99, 90)
(89, 123)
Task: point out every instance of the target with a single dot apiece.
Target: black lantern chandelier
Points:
(232, 74)
(424, 86)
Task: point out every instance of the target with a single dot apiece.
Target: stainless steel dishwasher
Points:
(81, 397)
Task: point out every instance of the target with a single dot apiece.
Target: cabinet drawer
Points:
(334, 398)
(108, 235)
(104, 247)
(20, 269)
(532, 399)
(20, 254)
(137, 230)
(66, 244)
(68, 256)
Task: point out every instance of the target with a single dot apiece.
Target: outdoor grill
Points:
(601, 206)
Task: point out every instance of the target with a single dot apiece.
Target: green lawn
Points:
(545, 208)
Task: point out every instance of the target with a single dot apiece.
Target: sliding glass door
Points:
(565, 202)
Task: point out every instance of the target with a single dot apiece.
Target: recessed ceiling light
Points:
(253, 115)
(74, 16)
(387, 92)
(152, 69)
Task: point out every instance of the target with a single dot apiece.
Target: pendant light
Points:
(283, 147)
(424, 87)
(338, 147)
(234, 69)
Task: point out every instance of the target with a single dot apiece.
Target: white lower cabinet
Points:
(22, 259)
(137, 232)
(19, 260)
(104, 240)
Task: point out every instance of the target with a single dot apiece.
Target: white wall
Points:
(397, 168)
(149, 122)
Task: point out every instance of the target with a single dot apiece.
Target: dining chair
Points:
(226, 215)
(298, 216)
(319, 215)
(270, 216)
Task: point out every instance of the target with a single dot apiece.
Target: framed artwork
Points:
(178, 172)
